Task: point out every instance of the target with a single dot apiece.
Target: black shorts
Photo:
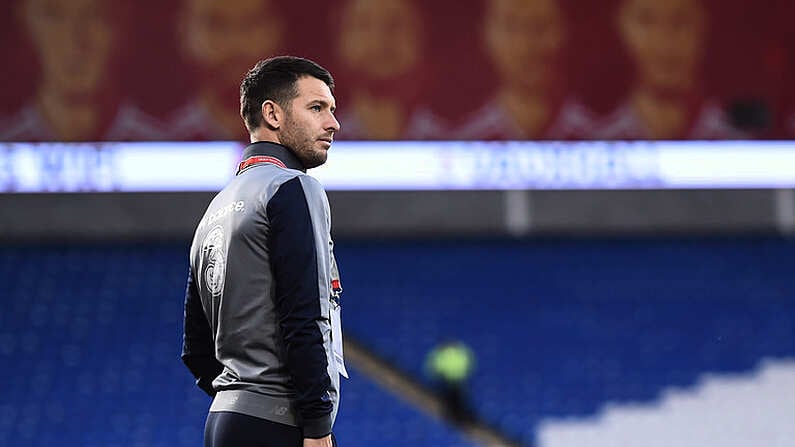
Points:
(227, 429)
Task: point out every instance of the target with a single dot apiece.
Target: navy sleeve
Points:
(294, 262)
(198, 348)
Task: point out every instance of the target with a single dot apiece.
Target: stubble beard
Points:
(302, 144)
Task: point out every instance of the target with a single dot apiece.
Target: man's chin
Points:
(317, 159)
(321, 159)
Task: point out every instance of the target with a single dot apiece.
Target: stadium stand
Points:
(90, 335)
(562, 328)
(90, 338)
(732, 410)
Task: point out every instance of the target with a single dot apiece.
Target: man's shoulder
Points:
(310, 184)
(264, 182)
(312, 190)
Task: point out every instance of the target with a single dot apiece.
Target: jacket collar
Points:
(267, 148)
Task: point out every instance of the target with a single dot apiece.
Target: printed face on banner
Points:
(524, 39)
(665, 39)
(225, 39)
(73, 40)
(380, 39)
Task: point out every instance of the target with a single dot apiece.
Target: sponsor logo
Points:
(234, 207)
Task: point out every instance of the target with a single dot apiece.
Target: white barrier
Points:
(207, 166)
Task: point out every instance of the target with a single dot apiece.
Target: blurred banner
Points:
(383, 166)
(165, 70)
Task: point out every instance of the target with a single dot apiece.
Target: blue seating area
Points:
(90, 339)
(561, 328)
(370, 416)
(90, 335)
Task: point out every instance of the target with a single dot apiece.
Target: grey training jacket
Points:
(262, 299)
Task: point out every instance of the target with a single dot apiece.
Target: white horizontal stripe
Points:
(454, 165)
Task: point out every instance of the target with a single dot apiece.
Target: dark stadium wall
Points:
(173, 216)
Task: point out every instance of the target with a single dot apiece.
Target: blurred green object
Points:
(452, 362)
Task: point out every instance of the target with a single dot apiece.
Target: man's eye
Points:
(316, 108)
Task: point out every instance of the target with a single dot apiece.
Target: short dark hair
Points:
(275, 79)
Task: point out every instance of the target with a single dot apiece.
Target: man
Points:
(450, 365)
(666, 42)
(74, 98)
(525, 40)
(219, 40)
(262, 328)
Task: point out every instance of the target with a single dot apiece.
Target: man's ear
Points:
(272, 114)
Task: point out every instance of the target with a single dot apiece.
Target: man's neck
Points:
(263, 134)
(273, 149)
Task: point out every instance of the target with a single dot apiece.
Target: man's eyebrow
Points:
(322, 102)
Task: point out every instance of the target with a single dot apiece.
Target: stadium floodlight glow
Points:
(401, 165)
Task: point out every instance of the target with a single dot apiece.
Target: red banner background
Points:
(428, 76)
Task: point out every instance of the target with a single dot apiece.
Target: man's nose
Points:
(333, 125)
